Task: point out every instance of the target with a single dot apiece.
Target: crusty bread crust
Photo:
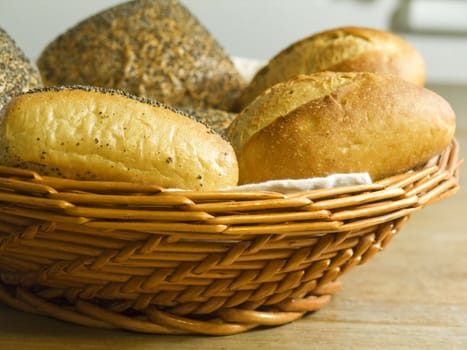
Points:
(99, 134)
(368, 122)
(345, 49)
(280, 100)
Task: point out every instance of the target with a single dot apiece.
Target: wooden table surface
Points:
(413, 295)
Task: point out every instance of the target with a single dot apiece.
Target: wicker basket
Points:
(140, 258)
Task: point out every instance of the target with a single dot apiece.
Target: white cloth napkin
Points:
(290, 185)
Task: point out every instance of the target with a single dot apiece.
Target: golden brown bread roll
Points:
(329, 123)
(98, 134)
(17, 73)
(345, 49)
(150, 48)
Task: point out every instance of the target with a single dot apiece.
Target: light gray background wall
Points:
(248, 28)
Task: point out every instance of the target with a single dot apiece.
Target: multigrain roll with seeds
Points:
(100, 134)
(17, 73)
(150, 48)
(344, 49)
(214, 118)
(329, 122)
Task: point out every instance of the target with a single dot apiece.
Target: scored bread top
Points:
(101, 134)
(280, 100)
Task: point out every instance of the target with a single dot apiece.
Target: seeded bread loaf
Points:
(345, 49)
(150, 48)
(17, 72)
(216, 119)
(329, 122)
(100, 134)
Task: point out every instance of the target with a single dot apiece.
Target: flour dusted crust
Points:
(151, 48)
(100, 134)
(344, 49)
(340, 123)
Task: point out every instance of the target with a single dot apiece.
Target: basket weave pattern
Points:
(141, 258)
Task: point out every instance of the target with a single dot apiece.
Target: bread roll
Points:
(329, 123)
(346, 49)
(17, 72)
(150, 48)
(214, 118)
(98, 134)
